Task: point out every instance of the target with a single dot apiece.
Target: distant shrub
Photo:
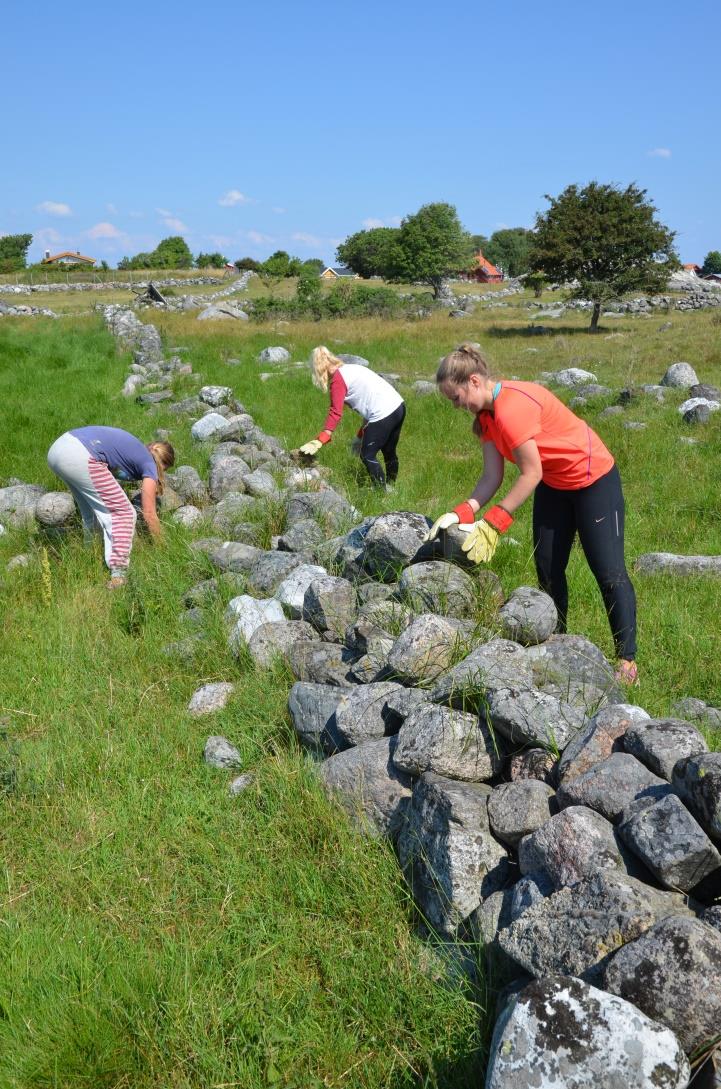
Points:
(345, 300)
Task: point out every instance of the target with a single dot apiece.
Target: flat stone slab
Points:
(611, 786)
(450, 743)
(599, 738)
(660, 743)
(499, 663)
(671, 843)
(671, 972)
(561, 1033)
(667, 563)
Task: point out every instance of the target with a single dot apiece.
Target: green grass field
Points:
(157, 932)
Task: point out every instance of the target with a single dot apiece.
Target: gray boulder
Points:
(438, 587)
(664, 835)
(527, 891)
(271, 569)
(358, 360)
(188, 516)
(291, 591)
(450, 743)
(274, 640)
(234, 556)
(329, 604)
(660, 742)
(301, 537)
(516, 810)
(208, 427)
(274, 355)
(599, 738)
(187, 482)
(611, 786)
(528, 617)
(497, 664)
(527, 716)
(369, 786)
(561, 1033)
(311, 706)
(215, 395)
(447, 852)
(671, 973)
(570, 846)
(680, 376)
(576, 930)
(227, 474)
(666, 563)
(56, 510)
(219, 753)
(210, 698)
(424, 650)
(694, 710)
(571, 377)
(392, 542)
(261, 484)
(247, 614)
(574, 669)
(323, 663)
(18, 503)
(697, 780)
(231, 511)
(533, 764)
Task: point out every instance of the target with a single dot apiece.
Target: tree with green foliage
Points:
(368, 252)
(210, 260)
(479, 242)
(607, 240)
(314, 263)
(277, 265)
(509, 249)
(430, 246)
(711, 263)
(173, 252)
(247, 264)
(309, 291)
(536, 281)
(14, 251)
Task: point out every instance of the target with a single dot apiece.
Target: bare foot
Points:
(116, 582)
(627, 672)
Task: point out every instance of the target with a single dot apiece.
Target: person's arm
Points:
(480, 545)
(528, 460)
(338, 391)
(488, 484)
(148, 493)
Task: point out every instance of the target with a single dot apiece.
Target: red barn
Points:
(483, 272)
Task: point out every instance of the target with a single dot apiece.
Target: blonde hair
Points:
(163, 455)
(323, 363)
(458, 366)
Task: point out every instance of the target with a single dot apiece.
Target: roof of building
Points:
(67, 253)
(339, 270)
(484, 264)
(692, 268)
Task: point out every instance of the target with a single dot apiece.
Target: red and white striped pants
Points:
(99, 497)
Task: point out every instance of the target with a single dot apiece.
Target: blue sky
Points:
(249, 128)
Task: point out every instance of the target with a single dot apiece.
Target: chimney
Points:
(47, 254)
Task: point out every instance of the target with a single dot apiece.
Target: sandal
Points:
(116, 582)
(627, 673)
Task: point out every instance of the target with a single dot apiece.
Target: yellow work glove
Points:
(462, 514)
(481, 542)
(310, 449)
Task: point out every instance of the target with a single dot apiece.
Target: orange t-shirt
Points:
(572, 455)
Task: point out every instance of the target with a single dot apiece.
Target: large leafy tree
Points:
(13, 251)
(173, 252)
(211, 260)
(368, 252)
(430, 246)
(510, 249)
(604, 239)
(712, 262)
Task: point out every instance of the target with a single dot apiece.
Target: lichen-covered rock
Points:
(671, 972)
(329, 604)
(208, 427)
(301, 537)
(664, 835)
(274, 640)
(232, 509)
(247, 614)
(274, 355)
(528, 617)
(324, 663)
(219, 753)
(450, 743)
(365, 713)
(215, 395)
(447, 852)
(271, 569)
(571, 845)
(574, 669)
(680, 376)
(56, 510)
(311, 706)
(392, 542)
(368, 784)
(234, 556)
(527, 716)
(576, 930)
(497, 664)
(188, 483)
(261, 484)
(188, 516)
(227, 475)
(599, 738)
(660, 742)
(210, 698)
(612, 785)
(424, 650)
(698, 711)
(291, 591)
(533, 764)
(561, 1033)
(518, 809)
(437, 587)
(18, 503)
(667, 563)
(697, 779)
(328, 507)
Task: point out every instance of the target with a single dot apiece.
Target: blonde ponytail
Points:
(324, 363)
(163, 455)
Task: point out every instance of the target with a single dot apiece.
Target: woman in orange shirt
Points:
(575, 480)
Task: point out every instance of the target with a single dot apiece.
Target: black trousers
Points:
(596, 513)
(382, 437)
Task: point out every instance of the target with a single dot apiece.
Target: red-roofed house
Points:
(483, 271)
(693, 268)
(67, 258)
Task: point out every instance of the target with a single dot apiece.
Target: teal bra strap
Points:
(496, 390)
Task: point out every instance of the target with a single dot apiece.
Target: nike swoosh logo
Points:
(599, 519)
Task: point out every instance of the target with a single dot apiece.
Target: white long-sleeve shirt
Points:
(364, 391)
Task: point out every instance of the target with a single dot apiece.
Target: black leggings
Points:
(382, 436)
(597, 513)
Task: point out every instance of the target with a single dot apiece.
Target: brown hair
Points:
(324, 363)
(164, 457)
(458, 366)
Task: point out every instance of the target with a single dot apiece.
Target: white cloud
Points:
(280, 211)
(112, 209)
(220, 240)
(390, 221)
(104, 230)
(54, 208)
(163, 212)
(233, 197)
(137, 215)
(306, 239)
(175, 224)
(259, 239)
(660, 153)
(46, 235)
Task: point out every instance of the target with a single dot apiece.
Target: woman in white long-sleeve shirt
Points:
(381, 406)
